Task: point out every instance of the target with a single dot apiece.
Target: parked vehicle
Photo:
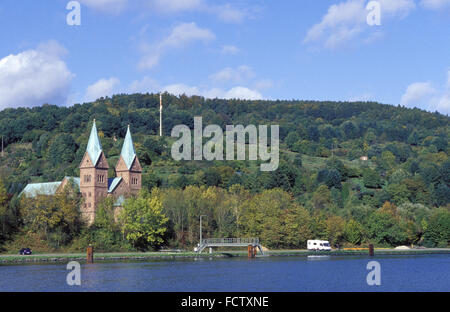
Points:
(25, 251)
(318, 245)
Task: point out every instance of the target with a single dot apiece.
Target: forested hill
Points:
(46, 143)
(352, 173)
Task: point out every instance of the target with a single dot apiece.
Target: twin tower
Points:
(94, 182)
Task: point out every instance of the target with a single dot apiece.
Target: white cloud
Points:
(243, 93)
(230, 14)
(146, 84)
(443, 104)
(235, 75)
(102, 88)
(348, 20)
(107, 6)
(241, 75)
(417, 93)
(180, 36)
(226, 12)
(35, 77)
(426, 96)
(263, 84)
(342, 20)
(399, 8)
(230, 49)
(238, 92)
(171, 6)
(186, 33)
(435, 4)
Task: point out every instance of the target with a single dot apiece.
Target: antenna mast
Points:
(160, 115)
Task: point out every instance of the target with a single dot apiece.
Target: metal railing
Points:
(230, 241)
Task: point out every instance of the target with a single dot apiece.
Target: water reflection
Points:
(318, 258)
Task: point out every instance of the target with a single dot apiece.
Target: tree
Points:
(105, 231)
(56, 218)
(296, 227)
(335, 163)
(442, 195)
(174, 203)
(143, 221)
(322, 197)
(389, 208)
(264, 216)
(298, 160)
(62, 149)
(438, 229)
(371, 178)
(291, 139)
(350, 130)
(399, 193)
(331, 178)
(385, 229)
(335, 230)
(387, 160)
(353, 232)
(3, 208)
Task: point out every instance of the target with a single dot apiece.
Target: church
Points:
(93, 182)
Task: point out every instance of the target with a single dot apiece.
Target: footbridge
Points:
(229, 242)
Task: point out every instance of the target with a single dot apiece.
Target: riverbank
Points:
(136, 256)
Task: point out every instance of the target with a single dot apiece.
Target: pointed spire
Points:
(128, 153)
(94, 147)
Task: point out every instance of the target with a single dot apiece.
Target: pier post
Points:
(250, 251)
(90, 254)
(371, 253)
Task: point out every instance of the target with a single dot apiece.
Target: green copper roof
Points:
(94, 147)
(128, 153)
(34, 189)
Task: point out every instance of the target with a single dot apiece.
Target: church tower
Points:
(128, 167)
(93, 176)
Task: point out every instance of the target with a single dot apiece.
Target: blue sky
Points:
(310, 50)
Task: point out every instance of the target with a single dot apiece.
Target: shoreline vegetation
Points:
(172, 255)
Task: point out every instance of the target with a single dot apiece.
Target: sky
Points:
(389, 51)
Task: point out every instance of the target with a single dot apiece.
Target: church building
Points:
(93, 182)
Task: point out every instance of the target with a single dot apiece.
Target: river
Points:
(290, 274)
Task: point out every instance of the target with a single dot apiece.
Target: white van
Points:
(318, 245)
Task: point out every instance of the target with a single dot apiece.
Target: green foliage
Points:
(143, 221)
(385, 229)
(371, 178)
(438, 229)
(275, 218)
(62, 149)
(57, 218)
(3, 211)
(408, 165)
(353, 232)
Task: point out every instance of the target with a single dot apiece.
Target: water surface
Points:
(291, 274)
